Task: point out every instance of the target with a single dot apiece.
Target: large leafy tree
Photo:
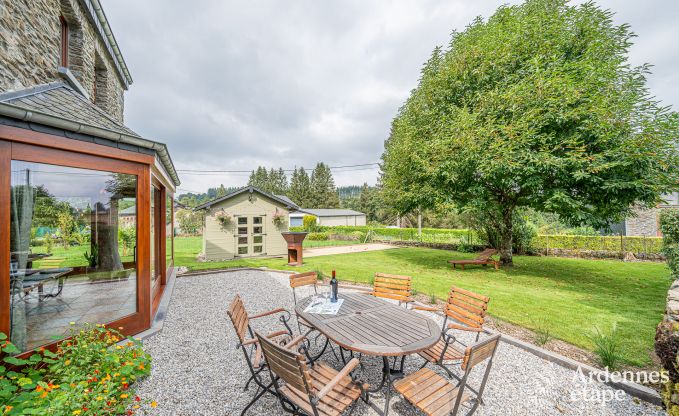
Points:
(536, 107)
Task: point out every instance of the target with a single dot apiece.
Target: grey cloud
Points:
(232, 84)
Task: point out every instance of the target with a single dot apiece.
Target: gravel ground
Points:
(198, 371)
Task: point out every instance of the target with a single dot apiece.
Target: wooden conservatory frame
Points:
(31, 146)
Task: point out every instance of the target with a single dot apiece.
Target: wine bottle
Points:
(333, 288)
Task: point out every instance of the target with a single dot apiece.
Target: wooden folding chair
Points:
(250, 345)
(391, 286)
(300, 280)
(315, 389)
(468, 311)
(436, 396)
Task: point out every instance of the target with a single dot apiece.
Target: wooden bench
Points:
(483, 258)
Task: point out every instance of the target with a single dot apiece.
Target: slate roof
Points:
(55, 103)
(60, 100)
(330, 212)
(279, 198)
(288, 200)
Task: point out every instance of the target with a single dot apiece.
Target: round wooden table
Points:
(373, 326)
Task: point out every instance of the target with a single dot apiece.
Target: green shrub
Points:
(669, 226)
(88, 375)
(309, 223)
(322, 236)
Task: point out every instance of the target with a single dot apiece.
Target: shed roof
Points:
(330, 212)
(251, 189)
(58, 105)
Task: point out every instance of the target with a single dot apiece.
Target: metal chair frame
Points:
(308, 279)
(250, 346)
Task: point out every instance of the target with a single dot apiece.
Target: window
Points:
(257, 230)
(257, 249)
(257, 220)
(72, 249)
(242, 230)
(257, 239)
(243, 240)
(243, 250)
(64, 42)
(242, 220)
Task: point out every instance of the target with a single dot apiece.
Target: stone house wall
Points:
(645, 223)
(30, 52)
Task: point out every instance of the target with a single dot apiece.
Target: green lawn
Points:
(571, 295)
(73, 256)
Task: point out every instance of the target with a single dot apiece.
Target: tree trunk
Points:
(105, 236)
(506, 238)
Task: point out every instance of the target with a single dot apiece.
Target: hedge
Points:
(648, 245)
(595, 242)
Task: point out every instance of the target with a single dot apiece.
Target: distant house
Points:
(245, 223)
(646, 222)
(128, 217)
(329, 217)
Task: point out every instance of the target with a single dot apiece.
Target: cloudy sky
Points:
(230, 85)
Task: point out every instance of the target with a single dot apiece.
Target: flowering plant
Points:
(278, 218)
(89, 374)
(223, 218)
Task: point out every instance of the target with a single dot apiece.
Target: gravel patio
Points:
(198, 371)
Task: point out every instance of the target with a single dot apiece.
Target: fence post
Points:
(622, 244)
(547, 243)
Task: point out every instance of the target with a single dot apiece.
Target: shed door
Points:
(250, 236)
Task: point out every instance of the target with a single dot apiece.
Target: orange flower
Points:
(124, 396)
(154, 404)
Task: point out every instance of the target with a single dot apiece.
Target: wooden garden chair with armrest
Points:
(435, 395)
(311, 388)
(483, 259)
(468, 311)
(300, 280)
(391, 286)
(250, 345)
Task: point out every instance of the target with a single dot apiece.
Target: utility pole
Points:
(419, 222)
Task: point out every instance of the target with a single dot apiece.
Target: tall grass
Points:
(542, 332)
(607, 347)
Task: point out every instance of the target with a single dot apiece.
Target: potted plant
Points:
(278, 219)
(224, 219)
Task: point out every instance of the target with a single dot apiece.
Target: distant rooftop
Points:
(329, 212)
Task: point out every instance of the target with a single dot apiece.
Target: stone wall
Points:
(30, 35)
(645, 222)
